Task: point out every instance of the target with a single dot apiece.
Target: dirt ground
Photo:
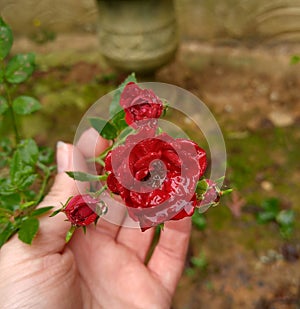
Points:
(241, 264)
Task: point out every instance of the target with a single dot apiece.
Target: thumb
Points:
(68, 158)
(53, 230)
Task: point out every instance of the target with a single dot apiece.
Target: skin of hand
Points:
(102, 269)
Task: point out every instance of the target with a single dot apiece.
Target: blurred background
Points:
(240, 57)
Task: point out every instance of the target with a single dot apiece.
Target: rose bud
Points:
(140, 105)
(211, 195)
(80, 210)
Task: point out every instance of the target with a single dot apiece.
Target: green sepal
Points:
(202, 187)
(84, 229)
(96, 221)
(70, 233)
(67, 202)
(54, 213)
(225, 192)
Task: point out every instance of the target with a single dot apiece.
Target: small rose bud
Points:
(212, 195)
(80, 210)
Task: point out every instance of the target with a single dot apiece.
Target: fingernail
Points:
(62, 157)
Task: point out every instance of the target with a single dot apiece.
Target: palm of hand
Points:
(102, 269)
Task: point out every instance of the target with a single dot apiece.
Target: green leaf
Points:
(28, 230)
(46, 155)
(10, 201)
(119, 120)
(22, 173)
(1, 76)
(25, 181)
(20, 68)
(199, 261)
(271, 205)
(70, 233)
(5, 144)
(3, 105)
(6, 39)
(6, 187)
(16, 165)
(265, 216)
(5, 212)
(115, 106)
(29, 151)
(84, 176)
(286, 217)
(25, 105)
(40, 211)
(104, 128)
(6, 231)
(286, 231)
(295, 59)
(199, 221)
(27, 204)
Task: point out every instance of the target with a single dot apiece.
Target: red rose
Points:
(156, 177)
(80, 210)
(140, 104)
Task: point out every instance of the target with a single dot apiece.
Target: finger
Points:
(110, 223)
(91, 144)
(168, 259)
(137, 241)
(63, 188)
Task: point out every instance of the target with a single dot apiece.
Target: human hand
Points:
(102, 269)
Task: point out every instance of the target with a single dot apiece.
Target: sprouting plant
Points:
(295, 59)
(25, 168)
(198, 262)
(271, 211)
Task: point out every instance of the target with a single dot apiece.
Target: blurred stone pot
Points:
(137, 35)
